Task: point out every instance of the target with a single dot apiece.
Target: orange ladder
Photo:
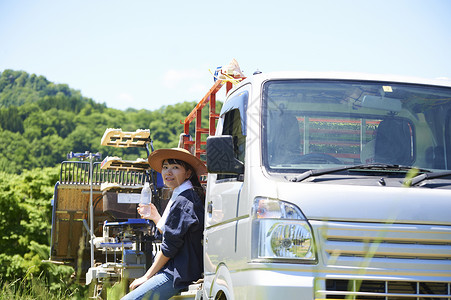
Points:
(196, 114)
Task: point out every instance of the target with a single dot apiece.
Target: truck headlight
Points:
(280, 231)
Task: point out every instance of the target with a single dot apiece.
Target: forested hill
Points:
(18, 88)
(41, 122)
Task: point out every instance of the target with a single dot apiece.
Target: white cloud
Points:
(123, 101)
(174, 77)
(125, 97)
(198, 88)
(188, 85)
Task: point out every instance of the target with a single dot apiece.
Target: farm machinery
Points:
(95, 225)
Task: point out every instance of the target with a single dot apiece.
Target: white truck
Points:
(330, 186)
(320, 186)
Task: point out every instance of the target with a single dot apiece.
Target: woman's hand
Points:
(137, 282)
(158, 263)
(149, 211)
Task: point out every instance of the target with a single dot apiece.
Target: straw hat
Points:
(157, 157)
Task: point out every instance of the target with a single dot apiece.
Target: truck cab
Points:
(330, 186)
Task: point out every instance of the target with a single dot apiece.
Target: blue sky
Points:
(146, 54)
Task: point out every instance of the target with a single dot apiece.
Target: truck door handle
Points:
(210, 207)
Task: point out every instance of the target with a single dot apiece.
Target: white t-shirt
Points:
(181, 188)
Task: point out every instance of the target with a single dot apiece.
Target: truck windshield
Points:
(315, 124)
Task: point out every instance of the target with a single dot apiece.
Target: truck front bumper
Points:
(270, 284)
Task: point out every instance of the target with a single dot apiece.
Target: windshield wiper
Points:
(318, 172)
(419, 178)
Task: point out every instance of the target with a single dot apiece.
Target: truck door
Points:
(223, 192)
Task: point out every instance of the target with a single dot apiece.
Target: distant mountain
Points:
(18, 88)
(40, 122)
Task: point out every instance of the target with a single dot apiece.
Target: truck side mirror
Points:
(220, 156)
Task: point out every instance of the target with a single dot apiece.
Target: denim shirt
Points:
(182, 239)
(184, 186)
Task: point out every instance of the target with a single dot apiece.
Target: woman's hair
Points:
(194, 178)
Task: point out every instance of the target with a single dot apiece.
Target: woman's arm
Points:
(159, 262)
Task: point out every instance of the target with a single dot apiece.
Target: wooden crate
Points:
(71, 207)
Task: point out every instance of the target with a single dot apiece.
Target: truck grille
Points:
(387, 290)
(383, 261)
(355, 243)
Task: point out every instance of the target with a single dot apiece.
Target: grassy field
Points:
(37, 289)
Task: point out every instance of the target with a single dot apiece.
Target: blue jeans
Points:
(159, 287)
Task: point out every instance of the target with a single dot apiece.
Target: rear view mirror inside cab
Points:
(383, 103)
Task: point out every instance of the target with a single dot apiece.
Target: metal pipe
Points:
(91, 210)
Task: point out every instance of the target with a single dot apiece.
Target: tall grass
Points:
(37, 288)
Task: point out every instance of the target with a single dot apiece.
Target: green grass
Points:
(37, 289)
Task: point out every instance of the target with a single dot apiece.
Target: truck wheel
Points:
(220, 296)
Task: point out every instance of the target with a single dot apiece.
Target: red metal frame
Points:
(196, 113)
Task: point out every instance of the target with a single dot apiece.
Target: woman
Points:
(179, 262)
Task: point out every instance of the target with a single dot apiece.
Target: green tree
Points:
(25, 222)
(14, 152)
(40, 122)
(11, 120)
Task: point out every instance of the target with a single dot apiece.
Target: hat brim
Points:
(157, 157)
